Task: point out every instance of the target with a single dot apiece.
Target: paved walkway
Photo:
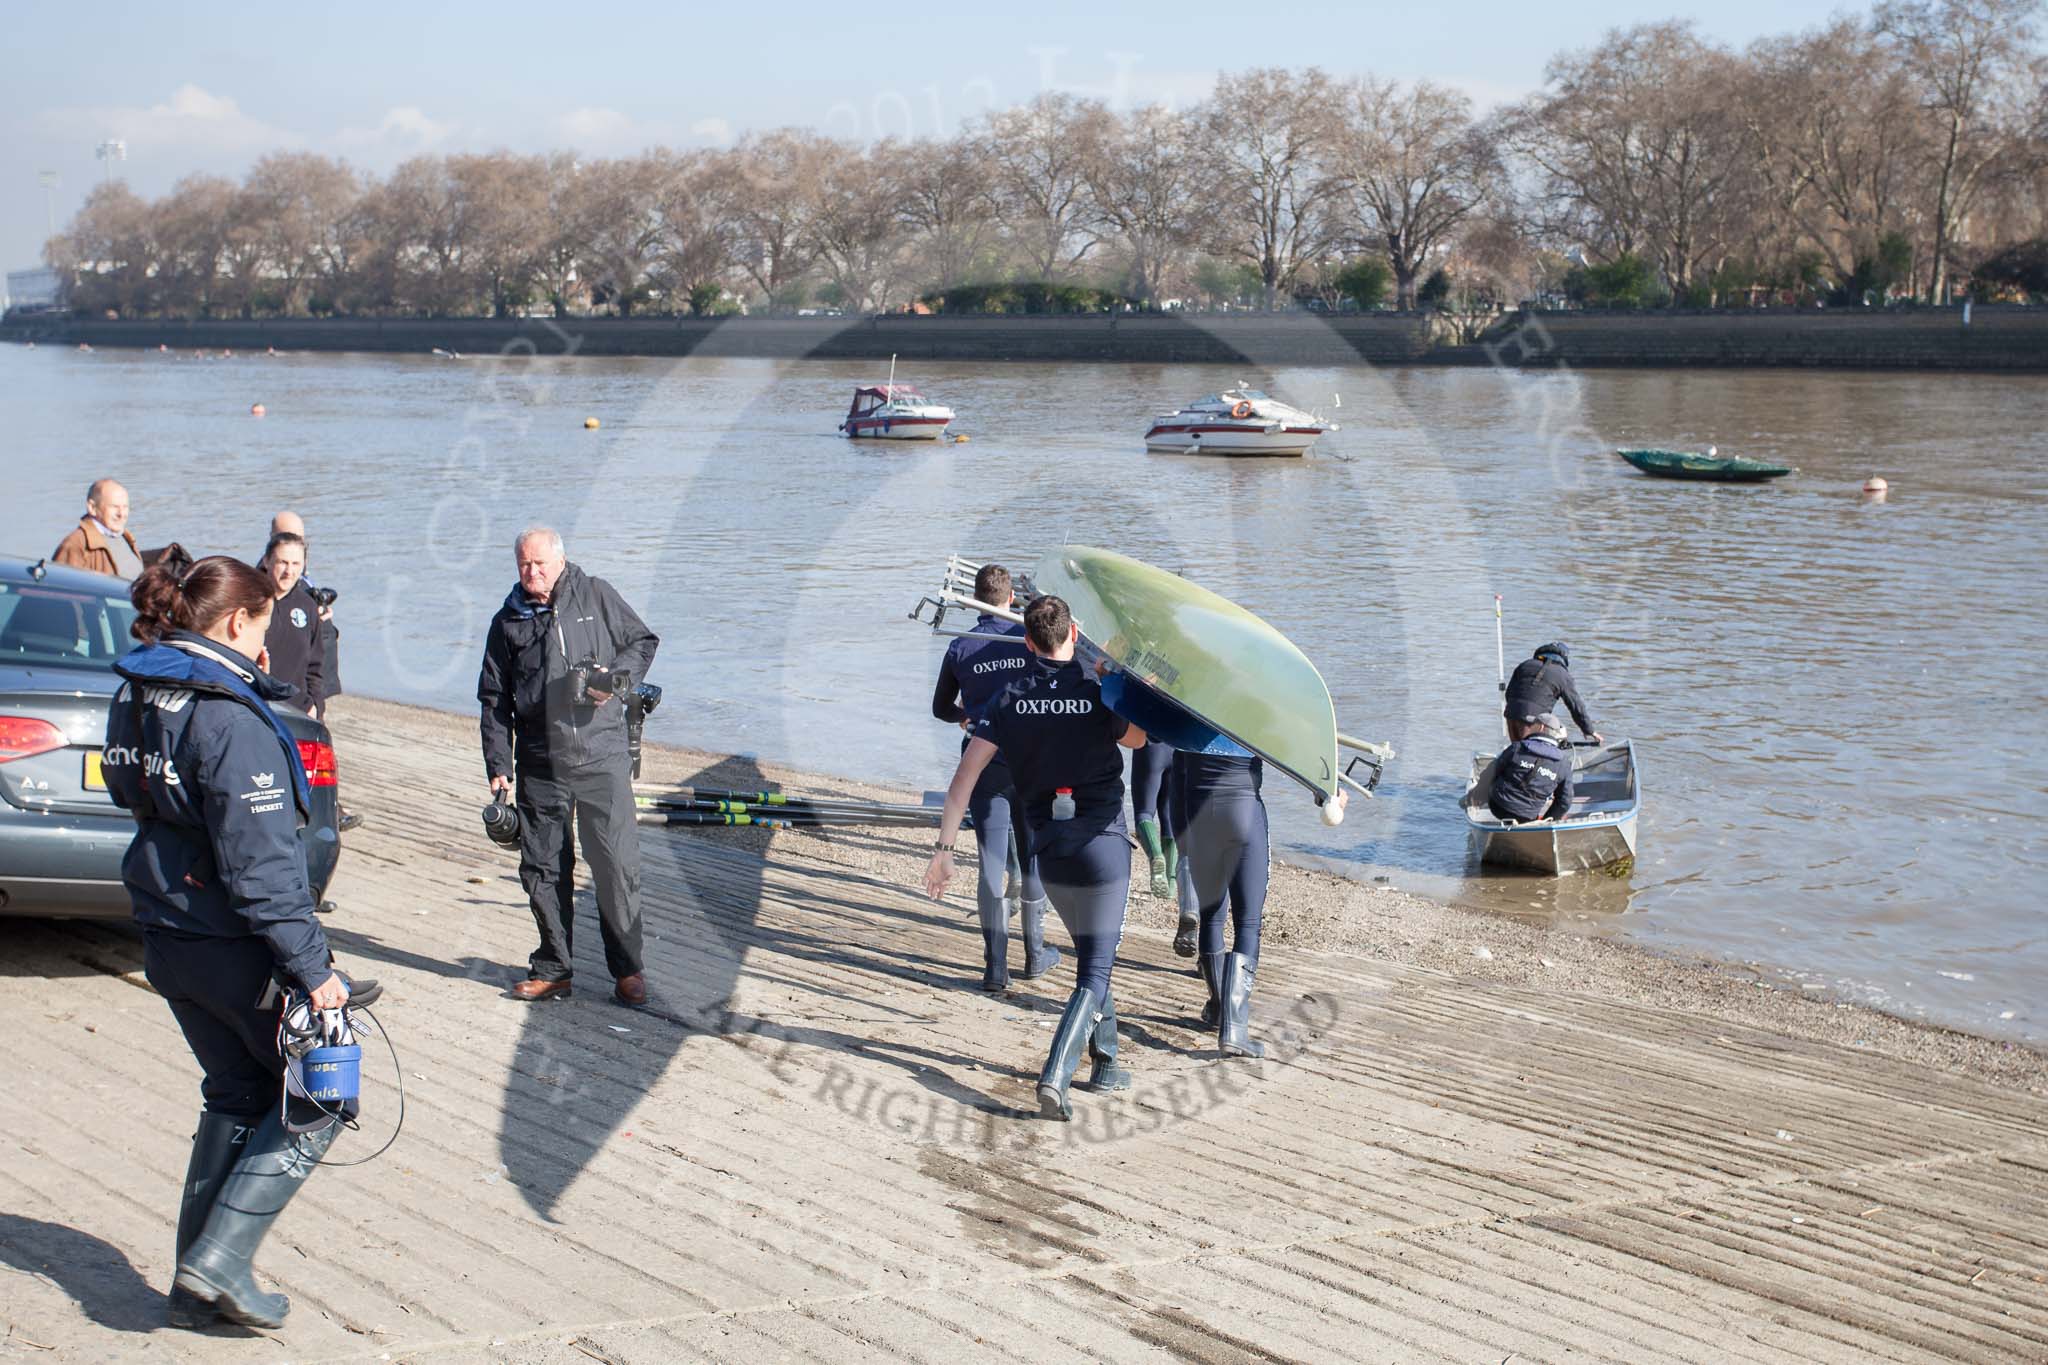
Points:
(815, 1145)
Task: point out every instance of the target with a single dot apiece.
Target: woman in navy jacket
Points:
(218, 880)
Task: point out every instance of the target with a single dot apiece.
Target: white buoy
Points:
(1876, 486)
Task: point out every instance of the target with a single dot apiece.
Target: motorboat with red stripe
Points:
(1240, 421)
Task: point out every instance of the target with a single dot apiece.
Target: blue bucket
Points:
(333, 1075)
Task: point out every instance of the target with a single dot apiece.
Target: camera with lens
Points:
(322, 597)
(639, 702)
(501, 822)
(591, 676)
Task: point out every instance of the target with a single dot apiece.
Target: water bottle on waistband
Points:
(1063, 803)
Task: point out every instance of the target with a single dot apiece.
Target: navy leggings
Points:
(1089, 886)
(995, 809)
(1226, 850)
(1148, 778)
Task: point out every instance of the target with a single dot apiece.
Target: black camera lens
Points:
(501, 822)
(322, 597)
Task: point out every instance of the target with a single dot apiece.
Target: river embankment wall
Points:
(2008, 338)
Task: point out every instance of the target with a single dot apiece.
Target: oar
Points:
(918, 817)
(779, 800)
(794, 821)
(1500, 666)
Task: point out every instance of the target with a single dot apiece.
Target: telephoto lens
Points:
(323, 597)
(501, 821)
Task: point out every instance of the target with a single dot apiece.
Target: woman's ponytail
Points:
(216, 586)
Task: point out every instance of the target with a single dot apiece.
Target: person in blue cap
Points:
(973, 673)
(1061, 742)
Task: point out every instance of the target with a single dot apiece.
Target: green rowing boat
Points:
(1687, 464)
(1205, 655)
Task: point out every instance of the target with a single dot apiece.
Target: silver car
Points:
(61, 836)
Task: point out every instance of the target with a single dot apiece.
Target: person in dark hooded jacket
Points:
(1532, 778)
(1536, 686)
(566, 744)
(219, 884)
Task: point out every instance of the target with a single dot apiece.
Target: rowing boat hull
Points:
(1215, 668)
(1680, 464)
(1599, 832)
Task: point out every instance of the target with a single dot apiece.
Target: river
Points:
(1837, 703)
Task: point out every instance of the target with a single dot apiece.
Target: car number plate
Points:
(95, 778)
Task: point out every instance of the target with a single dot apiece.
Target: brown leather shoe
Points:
(533, 988)
(631, 990)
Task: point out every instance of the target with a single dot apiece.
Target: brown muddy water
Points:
(1838, 704)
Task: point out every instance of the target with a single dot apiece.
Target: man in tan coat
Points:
(101, 542)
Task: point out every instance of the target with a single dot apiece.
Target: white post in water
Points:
(1500, 666)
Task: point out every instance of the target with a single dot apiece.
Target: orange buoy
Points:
(255, 409)
(590, 424)
(1241, 410)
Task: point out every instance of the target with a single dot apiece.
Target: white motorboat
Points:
(1238, 421)
(895, 412)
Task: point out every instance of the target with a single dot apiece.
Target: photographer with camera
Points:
(563, 656)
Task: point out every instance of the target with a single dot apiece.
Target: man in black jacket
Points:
(554, 715)
(1535, 687)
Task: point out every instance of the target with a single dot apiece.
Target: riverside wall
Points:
(1994, 338)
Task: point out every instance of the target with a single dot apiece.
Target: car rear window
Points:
(41, 625)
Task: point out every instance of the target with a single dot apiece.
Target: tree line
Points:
(1898, 154)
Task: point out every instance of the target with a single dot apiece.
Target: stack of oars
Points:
(772, 810)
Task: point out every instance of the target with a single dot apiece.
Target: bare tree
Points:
(1269, 133)
(1835, 155)
(693, 205)
(1636, 148)
(1040, 153)
(1414, 169)
(502, 202)
(947, 200)
(1145, 177)
(193, 223)
(623, 238)
(776, 181)
(109, 251)
(856, 230)
(1978, 77)
(291, 200)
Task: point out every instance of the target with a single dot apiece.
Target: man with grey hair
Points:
(563, 655)
(101, 542)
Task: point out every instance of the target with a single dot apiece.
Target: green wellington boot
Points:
(1155, 852)
(216, 1268)
(219, 1141)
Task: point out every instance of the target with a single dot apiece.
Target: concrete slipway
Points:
(814, 1145)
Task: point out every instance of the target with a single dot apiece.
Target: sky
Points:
(211, 87)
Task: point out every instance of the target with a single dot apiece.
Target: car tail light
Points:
(318, 760)
(24, 736)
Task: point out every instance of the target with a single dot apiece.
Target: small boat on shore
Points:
(1238, 421)
(895, 412)
(1598, 831)
(1712, 467)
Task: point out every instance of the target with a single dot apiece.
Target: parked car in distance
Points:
(61, 835)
